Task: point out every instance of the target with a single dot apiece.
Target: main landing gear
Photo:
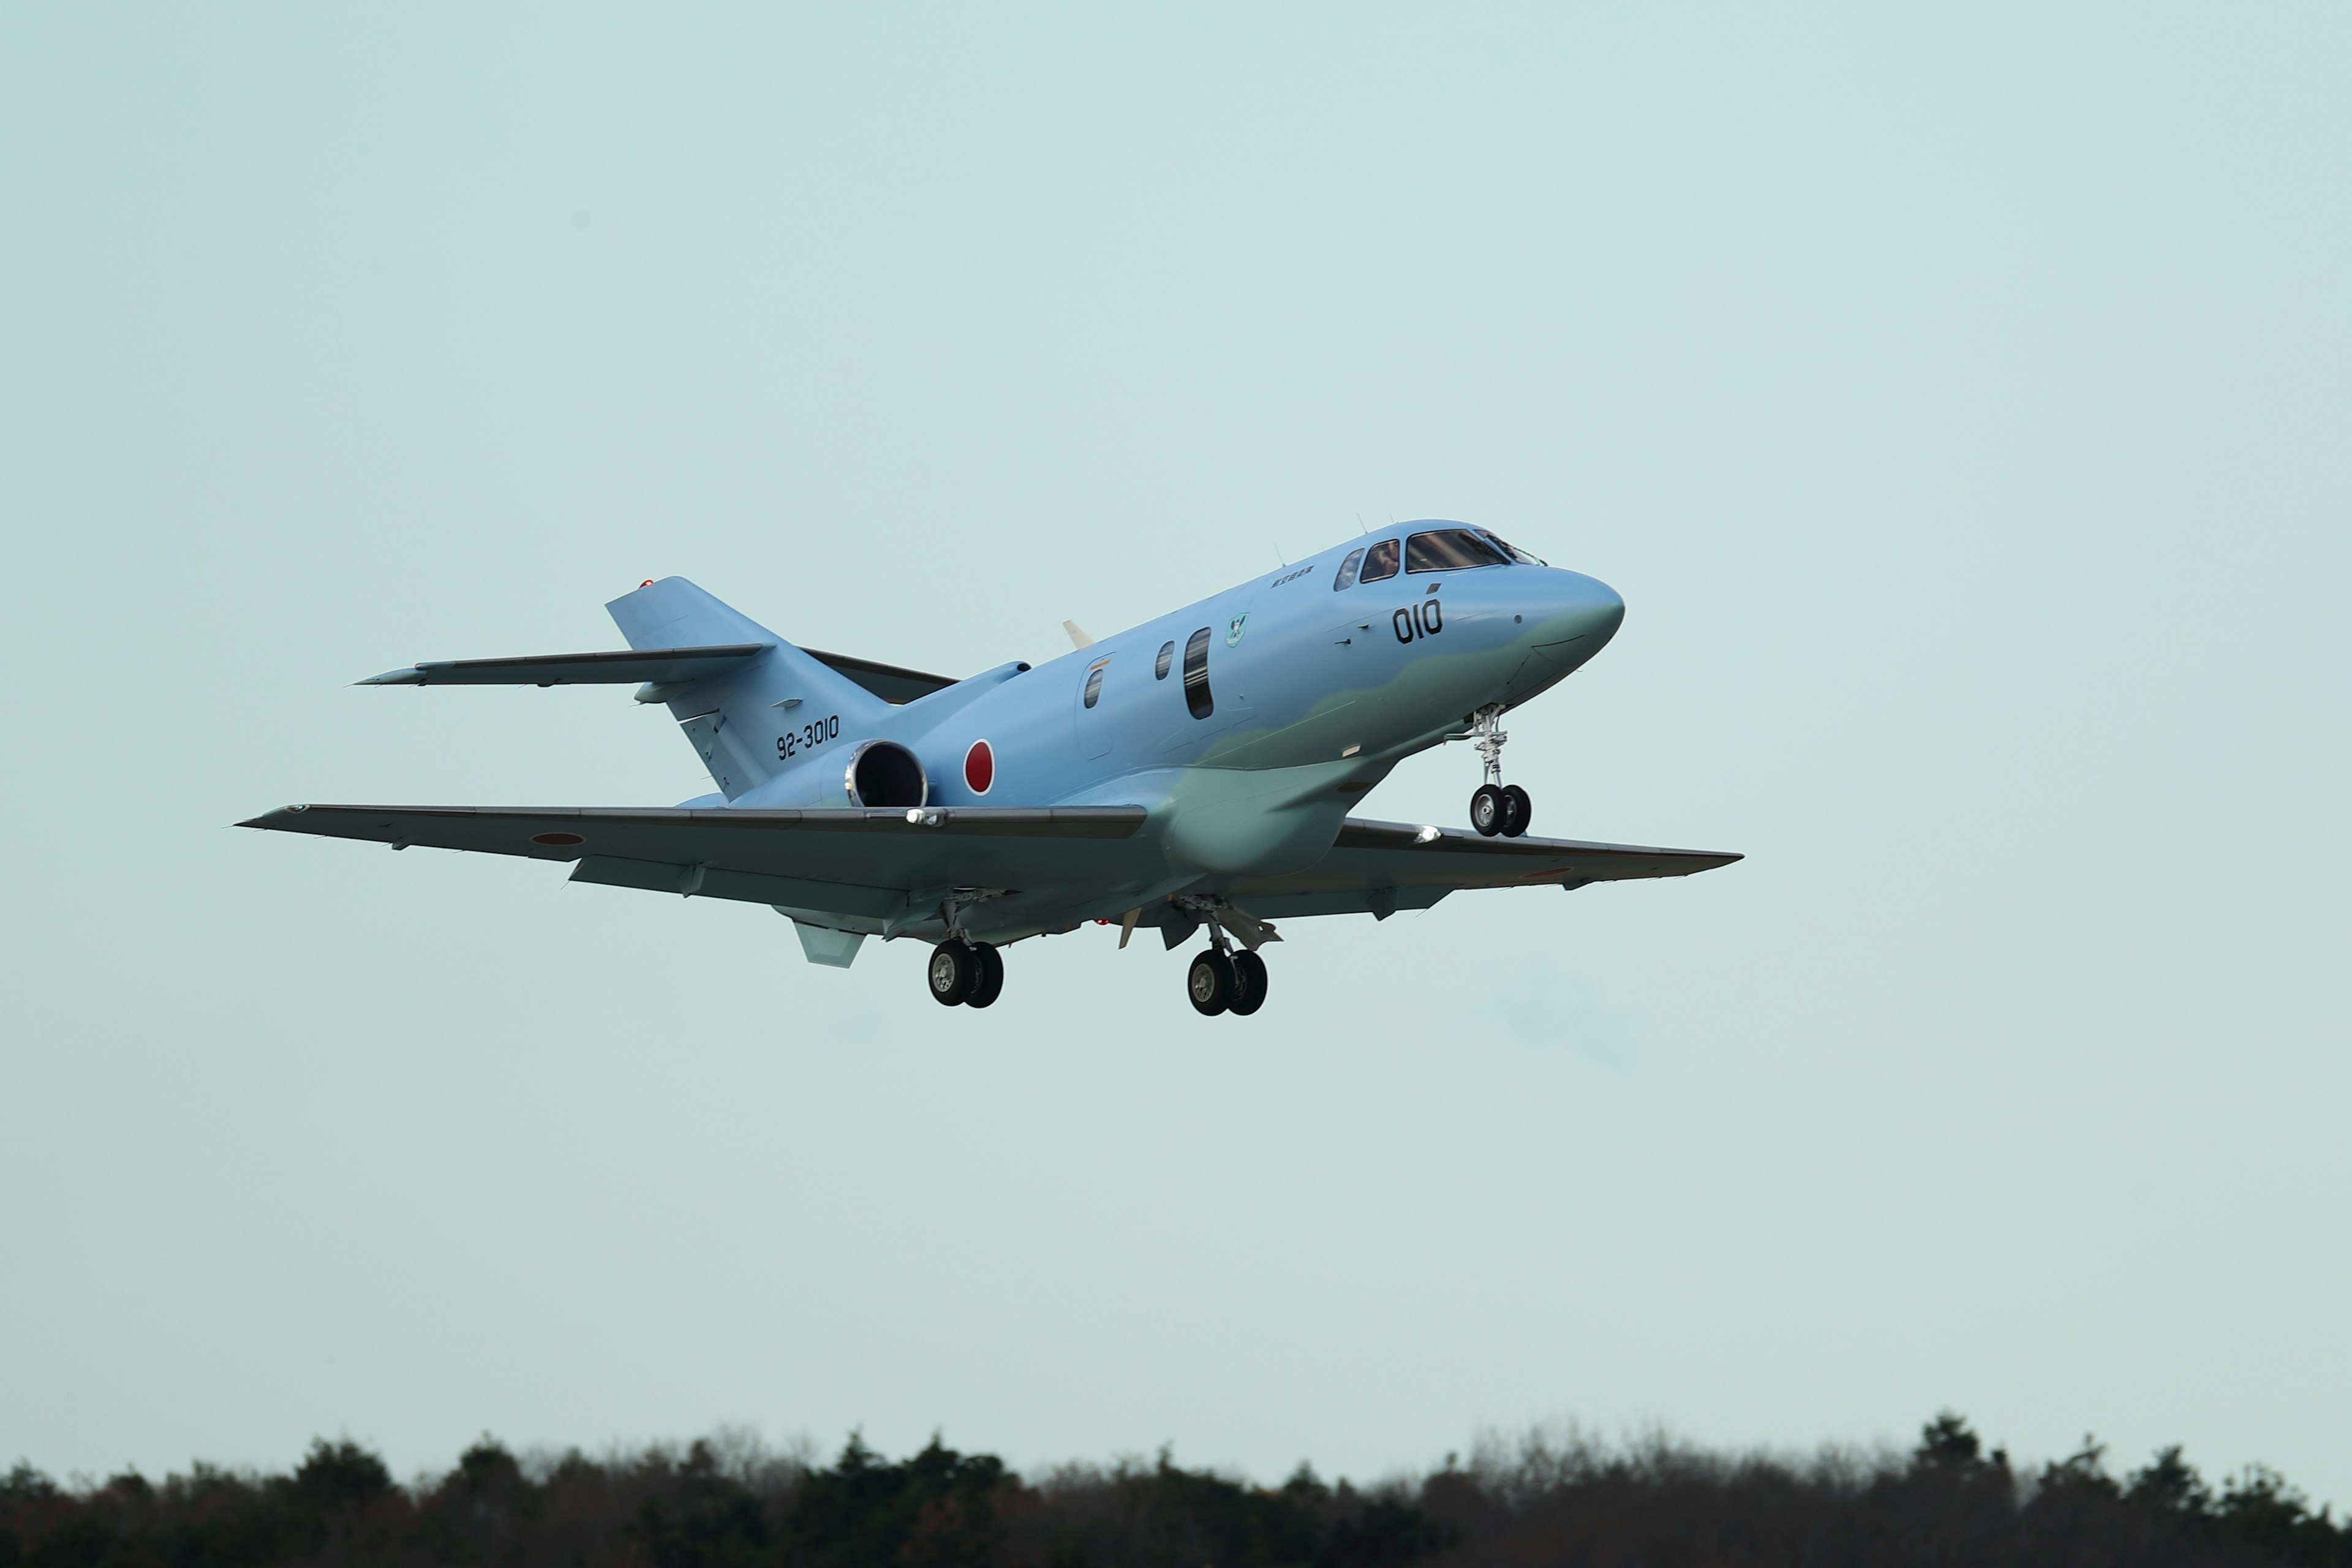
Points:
(1495, 806)
(1226, 983)
(965, 974)
(1225, 979)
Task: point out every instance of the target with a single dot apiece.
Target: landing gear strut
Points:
(1495, 806)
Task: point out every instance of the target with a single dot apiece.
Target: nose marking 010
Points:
(1425, 619)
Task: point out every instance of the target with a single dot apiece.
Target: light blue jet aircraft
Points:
(1194, 771)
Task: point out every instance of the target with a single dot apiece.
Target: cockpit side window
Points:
(1167, 656)
(1380, 561)
(1450, 549)
(1196, 675)
(1347, 577)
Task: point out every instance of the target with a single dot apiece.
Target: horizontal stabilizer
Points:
(661, 665)
(886, 681)
(617, 669)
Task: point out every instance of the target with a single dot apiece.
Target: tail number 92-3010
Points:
(808, 737)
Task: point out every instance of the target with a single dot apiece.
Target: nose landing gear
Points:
(1495, 806)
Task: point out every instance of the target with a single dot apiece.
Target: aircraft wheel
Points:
(1249, 984)
(1209, 982)
(989, 985)
(1517, 809)
(1487, 811)
(954, 970)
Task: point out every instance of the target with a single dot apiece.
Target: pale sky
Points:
(1960, 398)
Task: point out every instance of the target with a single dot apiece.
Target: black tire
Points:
(951, 973)
(1487, 811)
(1209, 982)
(1249, 984)
(989, 985)
(1520, 808)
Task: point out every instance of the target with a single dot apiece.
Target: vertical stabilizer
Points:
(729, 716)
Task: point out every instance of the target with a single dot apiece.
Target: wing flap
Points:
(748, 887)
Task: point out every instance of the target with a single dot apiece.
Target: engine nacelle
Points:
(885, 773)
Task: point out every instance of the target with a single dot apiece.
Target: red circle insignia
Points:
(980, 767)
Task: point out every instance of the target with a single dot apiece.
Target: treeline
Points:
(1544, 1498)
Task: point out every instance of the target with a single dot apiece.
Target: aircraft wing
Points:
(854, 861)
(1379, 867)
(869, 863)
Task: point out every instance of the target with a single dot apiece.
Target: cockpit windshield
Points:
(1508, 548)
(1450, 550)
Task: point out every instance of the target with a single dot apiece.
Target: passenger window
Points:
(1450, 549)
(1196, 675)
(1347, 577)
(1094, 683)
(1380, 561)
(1167, 657)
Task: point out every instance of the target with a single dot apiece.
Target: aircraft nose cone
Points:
(1610, 612)
(1593, 607)
(1603, 609)
(1578, 616)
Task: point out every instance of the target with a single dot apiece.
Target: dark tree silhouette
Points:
(1545, 1499)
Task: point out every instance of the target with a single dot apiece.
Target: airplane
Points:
(1195, 772)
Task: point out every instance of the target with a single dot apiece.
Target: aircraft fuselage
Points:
(1249, 723)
